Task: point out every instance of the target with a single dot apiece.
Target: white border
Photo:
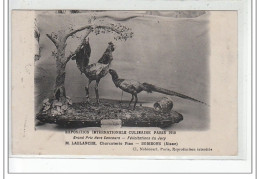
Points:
(179, 166)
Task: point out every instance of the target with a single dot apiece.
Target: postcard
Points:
(124, 83)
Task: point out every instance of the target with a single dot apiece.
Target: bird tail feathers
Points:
(150, 88)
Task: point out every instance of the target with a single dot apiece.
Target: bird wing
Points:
(131, 86)
(82, 57)
(97, 70)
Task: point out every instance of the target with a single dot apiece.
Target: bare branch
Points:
(119, 30)
(122, 31)
(77, 30)
(115, 29)
(78, 48)
(52, 39)
(108, 28)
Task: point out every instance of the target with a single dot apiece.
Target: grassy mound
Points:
(90, 115)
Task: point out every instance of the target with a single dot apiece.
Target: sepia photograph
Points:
(124, 83)
(136, 68)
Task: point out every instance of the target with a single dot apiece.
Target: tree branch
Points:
(108, 27)
(78, 48)
(77, 30)
(90, 29)
(52, 39)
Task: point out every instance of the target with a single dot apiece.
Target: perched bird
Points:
(134, 87)
(94, 71)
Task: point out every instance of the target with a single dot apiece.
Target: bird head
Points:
(113, 73)
(111, 46)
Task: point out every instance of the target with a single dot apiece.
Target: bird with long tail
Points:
(95, 71)
(134, 87)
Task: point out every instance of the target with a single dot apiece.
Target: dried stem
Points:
(52, 39)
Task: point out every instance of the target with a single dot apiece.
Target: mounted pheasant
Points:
(95, 71)
(134, 87)
(59, 39)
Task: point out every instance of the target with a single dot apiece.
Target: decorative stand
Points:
(90, 115)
